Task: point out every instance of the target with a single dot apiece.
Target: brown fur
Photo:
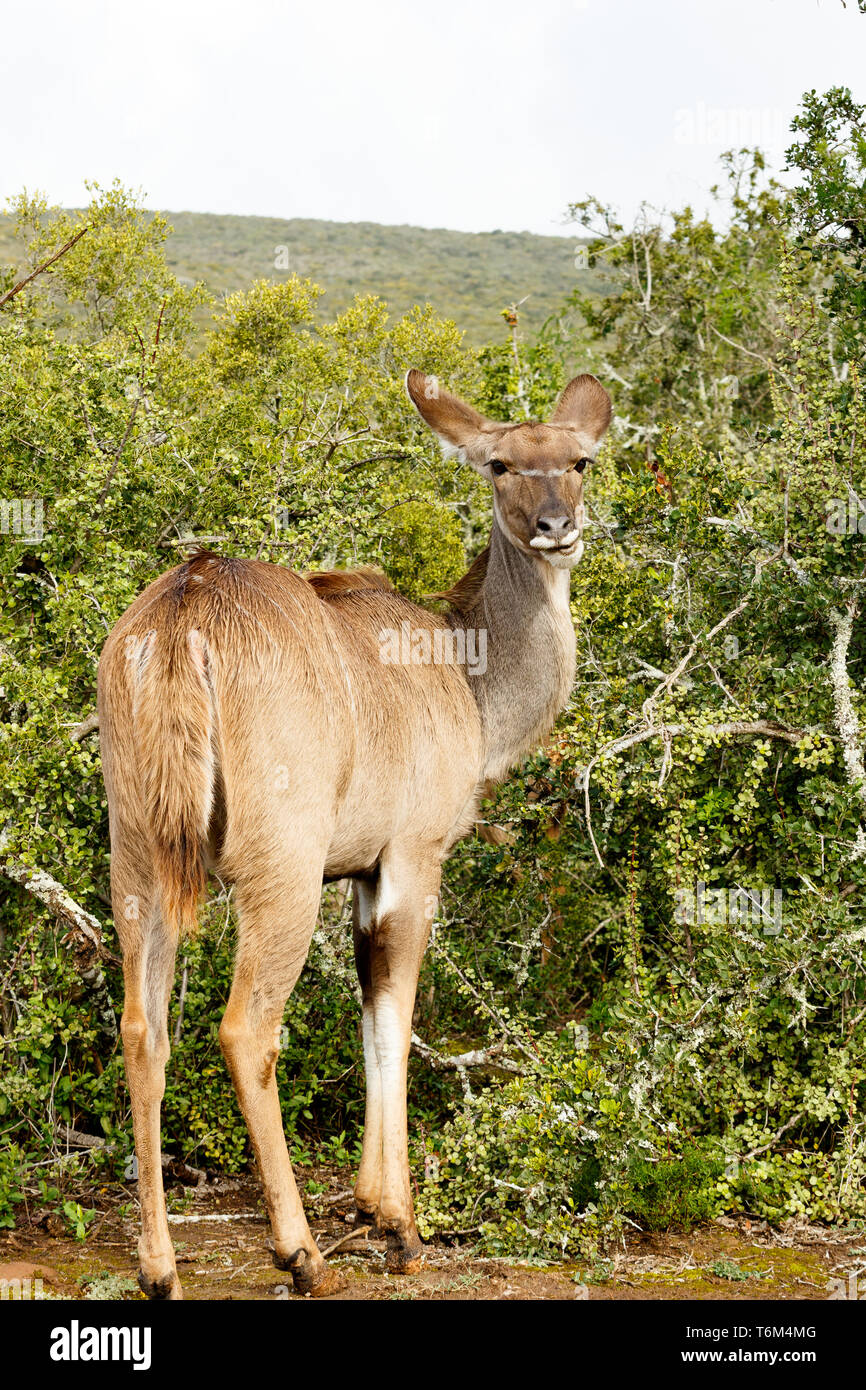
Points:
(328, 582)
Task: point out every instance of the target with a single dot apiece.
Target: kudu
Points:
(249, 724)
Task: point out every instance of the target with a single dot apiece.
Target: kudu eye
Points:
(498, 467)
(581, 464)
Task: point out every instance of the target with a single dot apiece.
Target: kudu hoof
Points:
(165, 1288)
(308, 1276)
(403, 1257)
(330, 1282)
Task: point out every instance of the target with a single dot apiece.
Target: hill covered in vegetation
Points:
(470, 276)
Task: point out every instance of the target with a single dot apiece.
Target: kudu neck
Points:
(523, 608)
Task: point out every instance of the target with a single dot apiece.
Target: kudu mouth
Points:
(561, 546)
(562, 551)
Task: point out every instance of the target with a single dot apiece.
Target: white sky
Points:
(491, 113)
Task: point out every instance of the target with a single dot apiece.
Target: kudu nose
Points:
(554, 528)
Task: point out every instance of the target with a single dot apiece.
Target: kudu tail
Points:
(173, 715)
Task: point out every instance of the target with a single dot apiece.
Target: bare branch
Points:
(356, 1234)
(86, 727)
(10, 294)
(487, 1057)
(115, 454)
(846, 716)
(191, 542)
(776, 1137)
(758, 727)
(650, 701)
(84, 932)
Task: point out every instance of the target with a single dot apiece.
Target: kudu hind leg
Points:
(273, 940)
(148, 968)
(398, 932)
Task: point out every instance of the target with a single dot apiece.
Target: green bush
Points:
(677, 1193)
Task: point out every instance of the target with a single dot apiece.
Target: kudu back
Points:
(258, 723)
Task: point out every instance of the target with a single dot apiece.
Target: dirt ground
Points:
(220, 1235)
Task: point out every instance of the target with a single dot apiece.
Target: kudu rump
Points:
(250, 723)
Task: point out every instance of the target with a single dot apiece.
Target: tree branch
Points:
(847, 722)
(83, 929)
(86, 727)
(647, 708)
(760, 727)
(115, 454)
(10, 294)
(489, 1057)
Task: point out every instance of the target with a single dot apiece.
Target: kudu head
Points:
(537, 471)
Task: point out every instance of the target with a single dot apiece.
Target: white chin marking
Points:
(564, 559)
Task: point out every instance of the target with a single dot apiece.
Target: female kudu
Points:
(249, 723)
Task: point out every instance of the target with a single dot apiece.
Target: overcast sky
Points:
(485, 114)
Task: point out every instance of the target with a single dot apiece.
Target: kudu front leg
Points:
(368, 1187)
(390, 936)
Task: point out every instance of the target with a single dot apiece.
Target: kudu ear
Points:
(458, 426)
(585, 406)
